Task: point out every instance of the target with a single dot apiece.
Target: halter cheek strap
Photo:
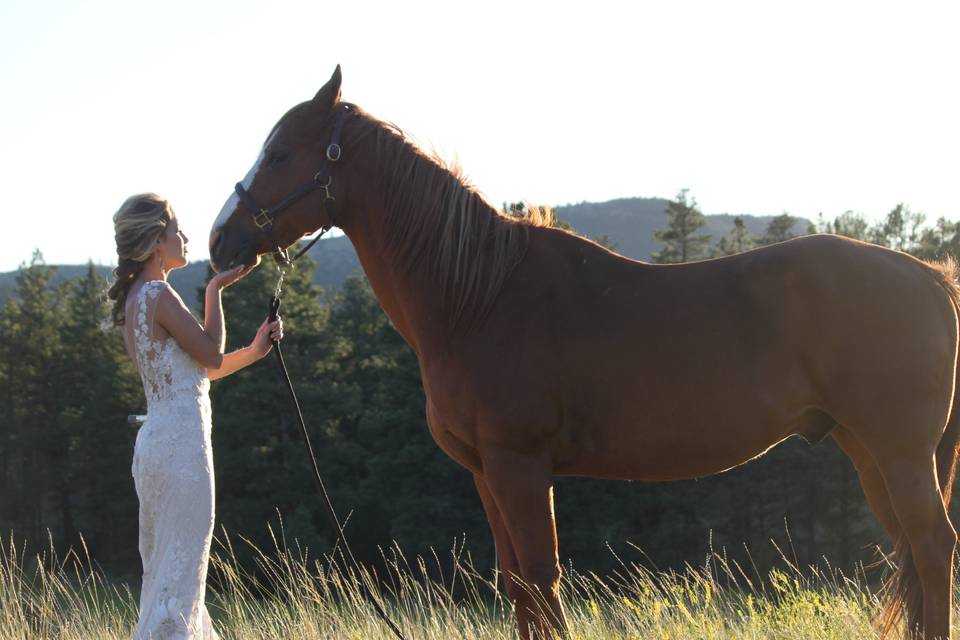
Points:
(264, 217)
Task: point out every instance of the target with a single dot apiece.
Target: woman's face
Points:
(173, 246)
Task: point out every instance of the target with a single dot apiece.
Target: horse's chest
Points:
(456, 445)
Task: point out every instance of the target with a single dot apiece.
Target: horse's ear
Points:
(329, 93)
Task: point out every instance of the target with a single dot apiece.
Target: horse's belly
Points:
(669, 452)
(673, 462)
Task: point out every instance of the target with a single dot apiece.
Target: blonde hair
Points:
(137, 226)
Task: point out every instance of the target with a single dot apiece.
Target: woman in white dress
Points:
(172, 460)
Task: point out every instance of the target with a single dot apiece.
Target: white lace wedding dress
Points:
(173, 473)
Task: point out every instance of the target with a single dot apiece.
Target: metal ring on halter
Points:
(334, 152)
(281, 257)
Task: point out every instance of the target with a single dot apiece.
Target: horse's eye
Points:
(276, 156)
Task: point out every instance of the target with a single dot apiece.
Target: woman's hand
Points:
(266, 334)
(226, 278)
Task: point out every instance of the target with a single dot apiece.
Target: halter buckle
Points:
(325, 187)
(334, 152)
(262, 219)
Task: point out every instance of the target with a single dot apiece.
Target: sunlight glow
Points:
(757, 107)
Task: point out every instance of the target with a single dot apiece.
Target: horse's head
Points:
(287, 194)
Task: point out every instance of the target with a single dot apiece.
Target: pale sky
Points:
(756, 107)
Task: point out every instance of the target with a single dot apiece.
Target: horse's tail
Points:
(904, 594)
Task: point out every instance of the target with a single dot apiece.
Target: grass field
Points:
(42, 597)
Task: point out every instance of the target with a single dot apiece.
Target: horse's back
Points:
(602, 358)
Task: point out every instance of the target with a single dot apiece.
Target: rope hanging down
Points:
(331, 514)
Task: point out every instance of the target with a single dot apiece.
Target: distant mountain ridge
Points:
(630, 223)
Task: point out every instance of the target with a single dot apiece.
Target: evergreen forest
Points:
(67, 386)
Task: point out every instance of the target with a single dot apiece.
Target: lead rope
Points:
(331, 514)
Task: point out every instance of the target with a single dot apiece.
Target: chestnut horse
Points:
(545, 354)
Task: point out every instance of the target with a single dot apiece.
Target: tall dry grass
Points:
(291, 596)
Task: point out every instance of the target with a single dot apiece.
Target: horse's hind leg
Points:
(911, 480)
(522, 488)
(871, 481)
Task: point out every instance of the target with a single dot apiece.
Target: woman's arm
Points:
(261, 346)
(204, 344)
(213, 324)
(233, 362)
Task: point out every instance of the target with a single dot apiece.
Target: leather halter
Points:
(264, 217)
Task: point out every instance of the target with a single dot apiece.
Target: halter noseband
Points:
(263, 217)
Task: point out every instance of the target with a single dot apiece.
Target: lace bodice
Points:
(167, 371)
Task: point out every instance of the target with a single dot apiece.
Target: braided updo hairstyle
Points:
(138, 224)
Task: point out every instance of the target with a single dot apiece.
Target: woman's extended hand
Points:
(226, 278)
(266, 334)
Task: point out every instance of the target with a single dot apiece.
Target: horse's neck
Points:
(401, 263)
(413, 309)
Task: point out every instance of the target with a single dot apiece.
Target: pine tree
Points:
(35, 394)
(9, 433)
(849, 224)
(779, 229)
(736, 241)
(104, 389)
(680, 239)
(939, 241)
(900, 230)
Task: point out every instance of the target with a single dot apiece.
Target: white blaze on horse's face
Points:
(231, 204)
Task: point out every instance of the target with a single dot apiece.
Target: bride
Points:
(172, 459)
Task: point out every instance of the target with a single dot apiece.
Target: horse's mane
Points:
(437, 219)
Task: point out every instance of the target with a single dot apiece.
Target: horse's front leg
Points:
(506, 557)
(517, 493)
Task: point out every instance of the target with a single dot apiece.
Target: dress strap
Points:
(152, 286)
